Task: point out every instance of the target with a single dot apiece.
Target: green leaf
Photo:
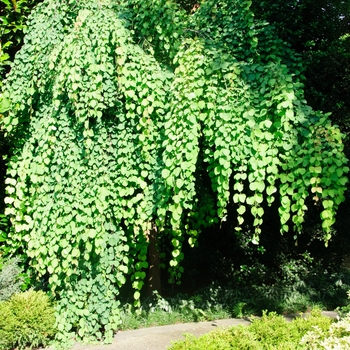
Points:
(5, 105)
(201, 104)
(241, 210)
(260, 186)
(238, 186)
(250, 200)
(179, 183)
(342, 181)
(165, 173)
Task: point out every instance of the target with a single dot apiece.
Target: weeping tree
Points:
(134, 120)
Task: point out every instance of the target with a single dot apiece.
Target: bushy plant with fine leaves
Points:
(27, 320)
(127, 118)
(269, 332)
(336, 337)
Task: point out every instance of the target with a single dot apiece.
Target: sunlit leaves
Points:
(92, 154)
(128, 119)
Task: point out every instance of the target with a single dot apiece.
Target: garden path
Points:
(160, 338)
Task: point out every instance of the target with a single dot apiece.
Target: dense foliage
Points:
(27, 320)
(319, 31)
(274, 332)
(13, 16)
(269, 332)
(336, 337)
(131, 117)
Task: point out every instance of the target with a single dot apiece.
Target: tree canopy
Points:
(132, 116)
(320, 33)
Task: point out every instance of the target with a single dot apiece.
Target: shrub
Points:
(336, 337)
(10, 281)
(27, 319)
(269, 332)
(7, 319)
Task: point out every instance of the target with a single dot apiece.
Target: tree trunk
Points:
(153, 276)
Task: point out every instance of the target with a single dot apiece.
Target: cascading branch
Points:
(86, 105)
(116, 110)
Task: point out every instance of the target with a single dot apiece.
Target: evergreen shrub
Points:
(27, 320)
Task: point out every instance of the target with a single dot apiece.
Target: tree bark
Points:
(153, 276)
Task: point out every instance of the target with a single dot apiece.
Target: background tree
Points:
(13, 16)
(133, 119)
(319, 31)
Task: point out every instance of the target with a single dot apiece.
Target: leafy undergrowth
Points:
(159, 311)
(269, 332)
(216, 302)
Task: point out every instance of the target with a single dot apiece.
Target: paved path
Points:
(160, 338)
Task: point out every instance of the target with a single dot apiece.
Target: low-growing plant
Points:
(269, 332)
(27, 320)
(237, 300)
(336, 337)
(344, 310)
(313, 287)
(158, 311)
(10, 279)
